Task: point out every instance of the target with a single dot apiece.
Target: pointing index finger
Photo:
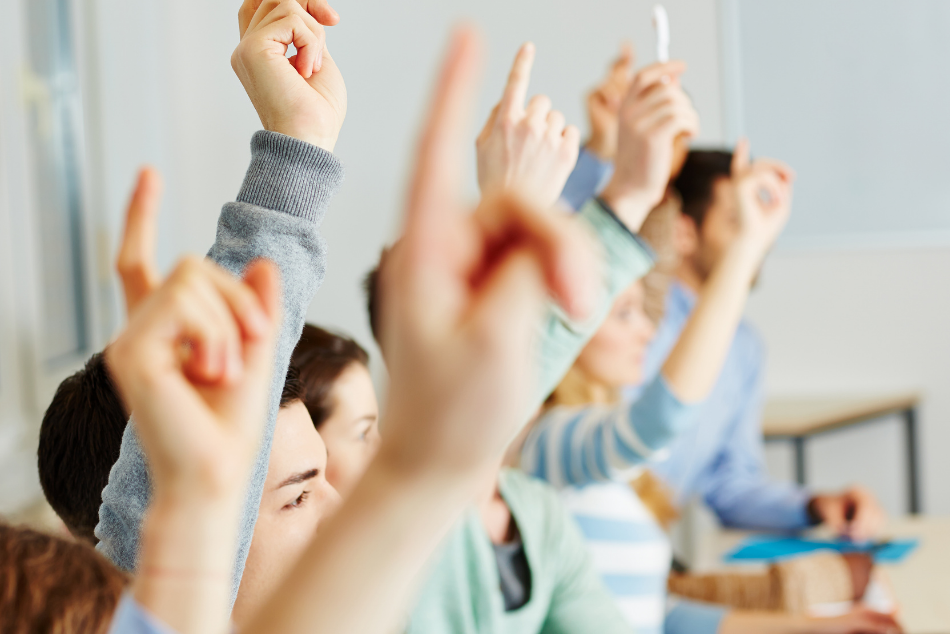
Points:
(516, 91)
(436, 179)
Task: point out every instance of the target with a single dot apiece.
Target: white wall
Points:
(833, 321)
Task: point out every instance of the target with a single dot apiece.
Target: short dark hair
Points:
(320, 358)
(695, 182)
(371, 291)
(79, 442)
(80, 438)
(293, 388)
(49, 584)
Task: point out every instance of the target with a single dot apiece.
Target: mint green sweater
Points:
(462, 594)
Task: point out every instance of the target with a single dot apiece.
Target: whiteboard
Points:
(855, 95)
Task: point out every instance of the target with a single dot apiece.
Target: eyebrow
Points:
(297, 478)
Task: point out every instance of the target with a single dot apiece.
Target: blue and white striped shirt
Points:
(575, 446)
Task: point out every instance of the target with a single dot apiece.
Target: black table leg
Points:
(799, 443)
(913, 467)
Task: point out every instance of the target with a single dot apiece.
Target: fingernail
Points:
(318, 62)
(665, 79)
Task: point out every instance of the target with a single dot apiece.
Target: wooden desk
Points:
(921, 583)
(797, 419)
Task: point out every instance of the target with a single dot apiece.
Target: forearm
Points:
(692, 368)
(576, 447)
(737, 622)
(755, 503)
(186, 561)
(626, 259)
(375, 548)
(285, 194)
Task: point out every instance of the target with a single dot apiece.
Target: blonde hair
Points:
(578, 389)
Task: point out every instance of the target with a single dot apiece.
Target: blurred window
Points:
(51, 87)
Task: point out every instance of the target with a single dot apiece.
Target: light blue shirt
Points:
(132, 618)
(721, 458)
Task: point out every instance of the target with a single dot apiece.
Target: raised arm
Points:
(595, 162)
(285, 195)
(460, 296)
(763, 194)
(576, 446)
(199, 415)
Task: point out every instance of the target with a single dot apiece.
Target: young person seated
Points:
(460, 376)
(624, 520)
(722, 461)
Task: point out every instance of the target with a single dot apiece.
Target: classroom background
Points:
(859, 315)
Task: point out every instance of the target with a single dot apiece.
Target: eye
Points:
(299, 501)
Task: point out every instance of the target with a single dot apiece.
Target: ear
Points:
(685, 236)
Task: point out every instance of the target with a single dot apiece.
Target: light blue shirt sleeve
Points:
(690, 617)
(738, 488)
(132, 618)
(587, 180)
(571, 446)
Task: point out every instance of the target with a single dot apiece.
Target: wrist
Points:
(410, 470)
(749, 252)
(307, 136)
(601, 147)
(632, 205)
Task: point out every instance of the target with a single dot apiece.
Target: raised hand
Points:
(321, 11)
(460, 297)
(603, 106)
(194, 366)
(462, 294)
(655, 112)
(763, 195)
(528, 150)
(135, 262)
(304, 96)
(854, 513)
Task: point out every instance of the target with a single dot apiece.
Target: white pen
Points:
(661, 23)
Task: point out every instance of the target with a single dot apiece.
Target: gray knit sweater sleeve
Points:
(285, 195)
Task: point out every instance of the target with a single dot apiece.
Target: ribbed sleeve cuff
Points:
(291, 176)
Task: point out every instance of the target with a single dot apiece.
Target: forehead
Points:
(354, 389)
(297, 445)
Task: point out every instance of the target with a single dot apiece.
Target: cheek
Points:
(278, 541)
(346, 466)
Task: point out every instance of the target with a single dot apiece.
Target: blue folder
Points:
(771, 548)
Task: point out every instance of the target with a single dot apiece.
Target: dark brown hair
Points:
(695, 182)
(320, 358)
(80, 439)
(79, 442)
(49, 585)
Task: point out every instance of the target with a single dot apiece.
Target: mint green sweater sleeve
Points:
(626, 259)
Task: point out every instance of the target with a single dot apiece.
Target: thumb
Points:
(135, 262)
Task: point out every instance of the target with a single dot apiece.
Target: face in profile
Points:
(296, 499)
(614, 356)
(351, 433)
